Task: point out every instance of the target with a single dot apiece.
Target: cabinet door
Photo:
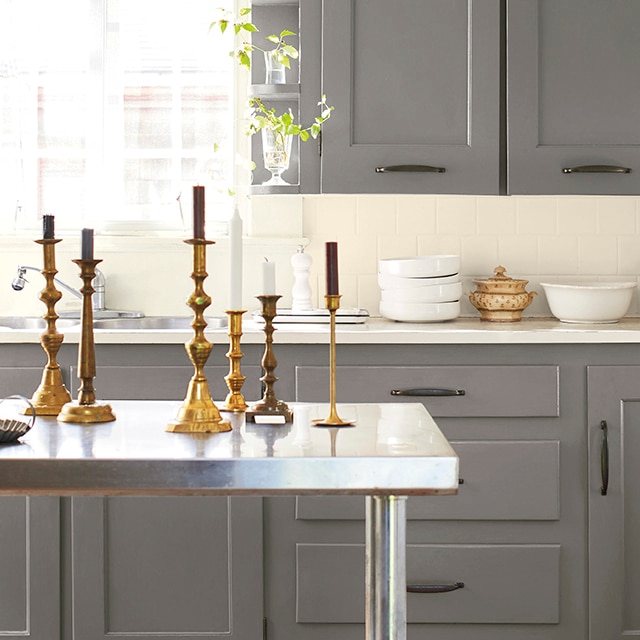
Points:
(184, 567)
(413, 83)
(30, 568)
(614, 512)
(573, 95)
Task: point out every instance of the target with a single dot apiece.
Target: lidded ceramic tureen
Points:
(501, 298)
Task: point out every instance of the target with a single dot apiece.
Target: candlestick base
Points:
(49, 398)
(86, 413)
(269, 410)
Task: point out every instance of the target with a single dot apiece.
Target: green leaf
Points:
(304, 136)
(245, 60)
(284, 61)
(245, 11)
(248, 26)
(286, 32)
(273, 38)
(315, 130)
(292, 52)
(286, 118)
(223, 24)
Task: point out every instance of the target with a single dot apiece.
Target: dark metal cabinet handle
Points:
(597, 168)
(434, 588)
(429, 392)
(412, 168)
(604, 458)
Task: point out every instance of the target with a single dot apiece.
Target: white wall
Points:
(537, 238)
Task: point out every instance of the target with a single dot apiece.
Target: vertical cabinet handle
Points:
(604, 458)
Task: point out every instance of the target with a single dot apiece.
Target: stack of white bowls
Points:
(420, 289)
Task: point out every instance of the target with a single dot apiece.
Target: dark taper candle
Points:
(332, 268)
(47, 226)
(198, 212)
(86, 246)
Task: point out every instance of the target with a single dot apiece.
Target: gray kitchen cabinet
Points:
(614, 499)
(416, 89)
(184, 567)
(572, 96)
(30, 568)
(514, 535)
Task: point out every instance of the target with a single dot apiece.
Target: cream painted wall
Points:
(536, 237)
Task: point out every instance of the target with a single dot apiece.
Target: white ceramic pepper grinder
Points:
(301, 291)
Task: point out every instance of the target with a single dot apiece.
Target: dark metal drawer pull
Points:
(604, 458)
(411, 168)
(597, 168)
(434, 588)
(430, 392)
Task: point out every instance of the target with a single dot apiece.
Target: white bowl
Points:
(433, 293)
(399, 282)
(594, 302)
(420, 311)
(420, 266)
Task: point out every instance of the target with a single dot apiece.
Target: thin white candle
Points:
(235, 261)
(268, 278)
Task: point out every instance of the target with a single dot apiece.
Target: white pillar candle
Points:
(235, 261)
(268, 278)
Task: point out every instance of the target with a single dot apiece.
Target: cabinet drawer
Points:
(165, 383)
(489, 391)
(503, 584)
(506, 480)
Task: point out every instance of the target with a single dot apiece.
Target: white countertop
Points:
(379, 331)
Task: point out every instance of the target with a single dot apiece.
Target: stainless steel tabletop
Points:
(392, 449)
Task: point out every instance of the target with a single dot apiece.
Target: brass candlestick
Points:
(235, 400)
(269, 405)
(86, 409)
(198, 413)
(51, 395)
(333, 420)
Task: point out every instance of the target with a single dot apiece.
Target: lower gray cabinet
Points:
(180, 567)
(614, 501)
(29, 568)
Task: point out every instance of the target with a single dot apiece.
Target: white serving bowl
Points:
(420, 311)
(433, 293)
(420, 266)
(399, 282)
(594, 302)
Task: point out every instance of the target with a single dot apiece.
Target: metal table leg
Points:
(386, 582)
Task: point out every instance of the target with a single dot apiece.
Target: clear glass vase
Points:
(276, 152)
(275, 70)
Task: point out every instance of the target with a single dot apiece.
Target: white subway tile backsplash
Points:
(397, 246)
(376, 215)
(496, 215)
(536, 215)
(416, 215)
(456, 215)
(576, 216)
(518, 254)
(479, 254)
(628, 254)
(616, 215)
(597, 255)
(558, 255)
(439, 245)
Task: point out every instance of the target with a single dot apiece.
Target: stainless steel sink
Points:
(156, 323)
(34, 324)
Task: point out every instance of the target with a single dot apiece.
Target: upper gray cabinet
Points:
(416, 89)
(573, 91)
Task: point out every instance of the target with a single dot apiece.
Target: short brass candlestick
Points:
(51, 395)
(269, 405)
(333, 420)
(86, 409)
(198, 413)
(235, 400)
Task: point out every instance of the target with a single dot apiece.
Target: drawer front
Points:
(489, 391)
(165, 383)
(503, 584)
(506, 480)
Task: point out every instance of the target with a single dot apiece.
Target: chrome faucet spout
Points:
(97, 299)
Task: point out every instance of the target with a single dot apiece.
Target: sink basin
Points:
(155, 323)
(34, 324)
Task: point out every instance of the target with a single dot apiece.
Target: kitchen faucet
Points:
(97, 298)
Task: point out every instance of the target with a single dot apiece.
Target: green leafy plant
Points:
(282, 52)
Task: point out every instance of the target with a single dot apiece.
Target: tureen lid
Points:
(501, 279)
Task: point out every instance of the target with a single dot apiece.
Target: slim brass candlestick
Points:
(235, 400)
(51, 394)
(333, 420)
(198, 413)
(269, 405)
(86, 409)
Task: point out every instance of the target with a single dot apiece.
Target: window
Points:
(110, 111)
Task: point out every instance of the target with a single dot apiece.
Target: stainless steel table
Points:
(393, 451)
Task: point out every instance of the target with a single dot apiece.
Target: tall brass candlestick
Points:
(51, 395)
(86, 409)
(198, 413)
(269, 406)
(333, 420)
(235, 400)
